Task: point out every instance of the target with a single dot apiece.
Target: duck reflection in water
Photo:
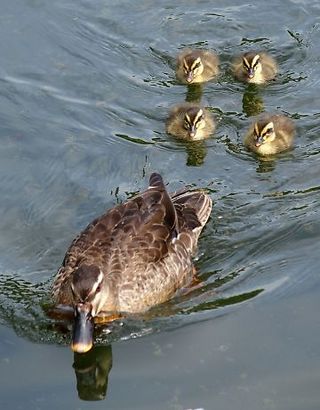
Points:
(92, 371)
(196, 153)
(194, 93)
(252, 101)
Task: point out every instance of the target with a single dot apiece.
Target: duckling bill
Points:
(134, 256)
(270, 134)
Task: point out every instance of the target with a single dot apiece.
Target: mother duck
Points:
(134, 256)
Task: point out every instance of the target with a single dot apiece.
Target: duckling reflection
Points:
(253, 67)
(266, 165)
(92, 370)
(190, 122)
(252, 102)
(194, 93)
(196, 153)
(270, 134)
(196, 66)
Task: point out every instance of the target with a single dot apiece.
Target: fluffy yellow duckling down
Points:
(270, 134)
(190, 122)
(196, 66)
(255, 68)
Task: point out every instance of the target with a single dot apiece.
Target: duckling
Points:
(196, 66)
(134, 256)
(270, 134)
(190, 122)
(254, 67)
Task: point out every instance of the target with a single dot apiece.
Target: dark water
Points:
(85, 88)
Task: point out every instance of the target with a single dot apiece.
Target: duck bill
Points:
(82, 337)
(251, 73)
(192, 132)
(189, 78)
(259, 142)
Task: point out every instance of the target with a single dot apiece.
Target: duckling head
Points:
(263, 133)
(192, 67)
(252, 64)
(89, 294)
(194, 121)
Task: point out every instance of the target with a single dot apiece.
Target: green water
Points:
(85, 91)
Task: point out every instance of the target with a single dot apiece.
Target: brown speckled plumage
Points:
(143, 248)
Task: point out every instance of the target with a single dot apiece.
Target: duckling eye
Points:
(185, 67)
(256, 64)
(245, 65)
(196, 66)
(98, 289)
(199, 121)
(269, 131)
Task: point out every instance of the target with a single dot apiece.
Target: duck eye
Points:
(196, 66)
(199, 121)
(98, 289)
(256, 64)
(269, 131)
(187, 123)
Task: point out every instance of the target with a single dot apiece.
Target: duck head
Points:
(252, 65)
(264, 133)
(89, 295)
(194, 120)
(192, 67)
